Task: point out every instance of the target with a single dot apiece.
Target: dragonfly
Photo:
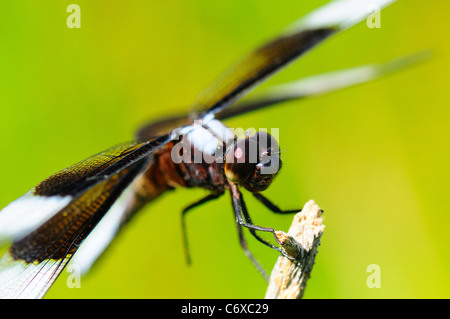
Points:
(76, 213)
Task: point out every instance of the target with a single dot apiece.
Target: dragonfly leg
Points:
(183, 222)
(274, 208)
(253, 228)
(248, 253)
(243, 219)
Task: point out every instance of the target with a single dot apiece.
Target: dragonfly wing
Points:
(162, 126)
(274, 55)
(33, 263)
(39, 253)
(319, 84)
(57, 191)
(107, 230)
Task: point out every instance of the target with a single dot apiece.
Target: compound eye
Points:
(241, 160)
(267, 145)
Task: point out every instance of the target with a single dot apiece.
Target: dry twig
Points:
(288, 278)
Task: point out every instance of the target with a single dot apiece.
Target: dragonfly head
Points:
(253, 162)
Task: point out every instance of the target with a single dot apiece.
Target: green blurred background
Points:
(375, 157)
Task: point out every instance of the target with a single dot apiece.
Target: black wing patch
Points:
(62, 234)
(85, 174)
(258, 66)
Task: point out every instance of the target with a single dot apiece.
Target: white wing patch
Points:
(319, 84)
(27, 213)
(341, 14)
(19, 279)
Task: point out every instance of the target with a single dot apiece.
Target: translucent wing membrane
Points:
(272, 56)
